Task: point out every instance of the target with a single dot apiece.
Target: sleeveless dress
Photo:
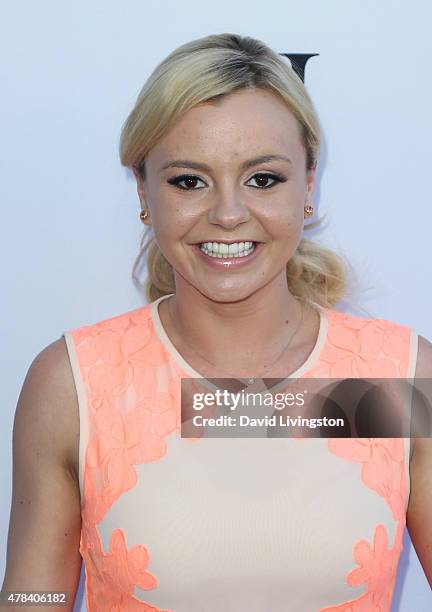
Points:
(171, 524)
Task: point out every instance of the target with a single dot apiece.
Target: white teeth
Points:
(225, 251)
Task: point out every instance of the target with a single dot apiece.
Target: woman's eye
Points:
(189, 179)
(264, 177)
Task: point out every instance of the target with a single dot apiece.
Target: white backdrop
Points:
(70, 228)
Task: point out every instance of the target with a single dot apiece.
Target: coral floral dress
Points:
(232, 524)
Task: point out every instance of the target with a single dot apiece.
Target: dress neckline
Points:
(311, 360)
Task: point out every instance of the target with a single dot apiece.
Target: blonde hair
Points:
(205, 70)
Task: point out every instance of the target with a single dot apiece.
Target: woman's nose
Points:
(228, 210)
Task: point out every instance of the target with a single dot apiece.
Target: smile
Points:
(226, 251)
(228, 256)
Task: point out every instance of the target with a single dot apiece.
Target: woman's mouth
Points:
(224, 250)
(236, 254)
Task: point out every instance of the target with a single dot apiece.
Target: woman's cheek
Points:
(289, 227)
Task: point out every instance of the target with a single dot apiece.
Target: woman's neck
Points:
(245, 335)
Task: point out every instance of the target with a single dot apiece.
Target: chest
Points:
(246, 520)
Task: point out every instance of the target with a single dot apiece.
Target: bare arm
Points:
(419, 513)
(45, 521)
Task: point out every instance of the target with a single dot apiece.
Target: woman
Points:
(223, 142)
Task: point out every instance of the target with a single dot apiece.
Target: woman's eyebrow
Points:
(186, 163)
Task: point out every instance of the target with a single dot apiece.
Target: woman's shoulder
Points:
(370, 333)
(364, 320)
(117, 323)
(371, 345)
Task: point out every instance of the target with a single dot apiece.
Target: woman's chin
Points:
(226, 294)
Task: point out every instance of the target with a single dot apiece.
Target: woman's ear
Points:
(311, 179)
(140, 186)
(141, 195)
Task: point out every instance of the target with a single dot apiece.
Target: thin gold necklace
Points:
(248, 380)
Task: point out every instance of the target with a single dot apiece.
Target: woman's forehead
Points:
(239, 128)
(245, 111)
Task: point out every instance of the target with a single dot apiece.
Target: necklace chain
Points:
(251, 380)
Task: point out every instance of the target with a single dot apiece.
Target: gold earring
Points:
(143, 215)
(308, 210)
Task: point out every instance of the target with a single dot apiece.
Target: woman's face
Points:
(202, 186)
